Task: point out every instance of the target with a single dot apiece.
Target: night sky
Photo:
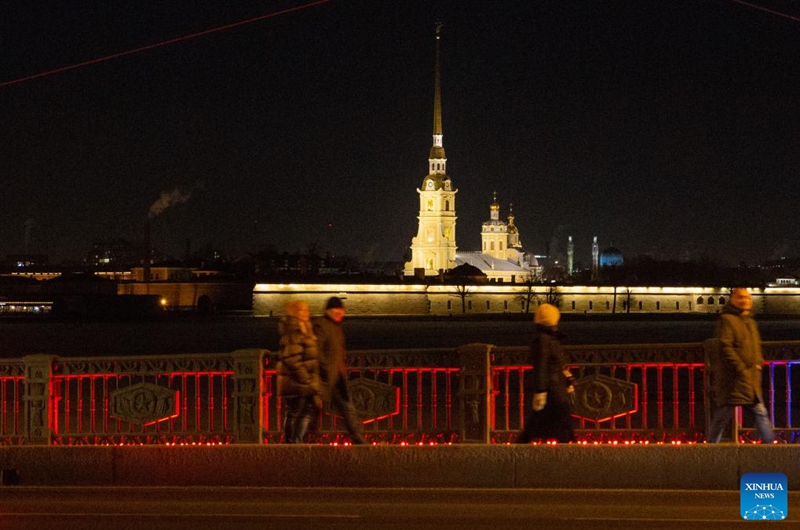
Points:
(669, 127)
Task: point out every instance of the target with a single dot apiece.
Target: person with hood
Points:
(333, 368)
(550, 418)
(736, 370)
(298, 371)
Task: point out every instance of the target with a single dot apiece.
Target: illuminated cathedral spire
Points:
(434, 248)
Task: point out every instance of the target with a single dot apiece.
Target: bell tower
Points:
(434, 247)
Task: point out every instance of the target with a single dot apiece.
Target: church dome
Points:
(611, 257)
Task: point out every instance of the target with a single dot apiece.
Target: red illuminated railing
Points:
(165, 400)
(12, 380)
(644, 393)
(418, 387)
(663, 400)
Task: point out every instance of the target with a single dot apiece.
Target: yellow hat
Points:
(547, 315)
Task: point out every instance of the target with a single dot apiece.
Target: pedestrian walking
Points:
(736, 368)
(333, 367)
(299, 380)
(550, 418)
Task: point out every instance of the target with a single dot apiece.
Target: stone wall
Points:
(499, 298)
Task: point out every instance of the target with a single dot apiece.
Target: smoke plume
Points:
(167, 199)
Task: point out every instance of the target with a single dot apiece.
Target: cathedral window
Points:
(699, 300)
(710, 301)
(721, 301)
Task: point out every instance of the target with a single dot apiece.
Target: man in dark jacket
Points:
(737, 368)
(550, 418)
(333, 368)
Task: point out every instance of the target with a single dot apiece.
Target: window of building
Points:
(573, 306)
(710, 301)
(721, 300)
(469, 305)
(446, 206)
(608, 305)
(491, 245)
(640, 306)
(677, 306)
(449, 305)
(591, 305)
(501, 245)
(505, 305)
(658, 306)
(699, 300)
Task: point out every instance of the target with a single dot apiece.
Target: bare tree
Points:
(527, 294)
(628, 299)
(463, 290)
(553, 296)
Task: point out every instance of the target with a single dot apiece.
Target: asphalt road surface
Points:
(372, 509)
(225, 334)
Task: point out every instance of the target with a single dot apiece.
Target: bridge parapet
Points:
(655, 393)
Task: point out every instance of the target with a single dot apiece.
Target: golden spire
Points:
(437, 151)
(437, 91)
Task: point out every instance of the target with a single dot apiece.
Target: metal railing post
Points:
(710, 354)
(248, 396)
(474, 389)
(38, 414)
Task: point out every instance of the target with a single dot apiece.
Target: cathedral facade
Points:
(434, 249)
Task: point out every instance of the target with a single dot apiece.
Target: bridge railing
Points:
(653, 393)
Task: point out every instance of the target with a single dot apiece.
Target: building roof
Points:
(486, 262)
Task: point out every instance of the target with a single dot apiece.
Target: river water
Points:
(224, 334)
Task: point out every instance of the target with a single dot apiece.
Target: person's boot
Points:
(289, 429)
(302, 427)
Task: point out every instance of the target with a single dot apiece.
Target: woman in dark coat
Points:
(550, 418)
(298, 371)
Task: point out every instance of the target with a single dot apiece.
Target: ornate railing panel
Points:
(165, 400)
(403, 396)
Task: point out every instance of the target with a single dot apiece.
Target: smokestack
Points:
(147, 253)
